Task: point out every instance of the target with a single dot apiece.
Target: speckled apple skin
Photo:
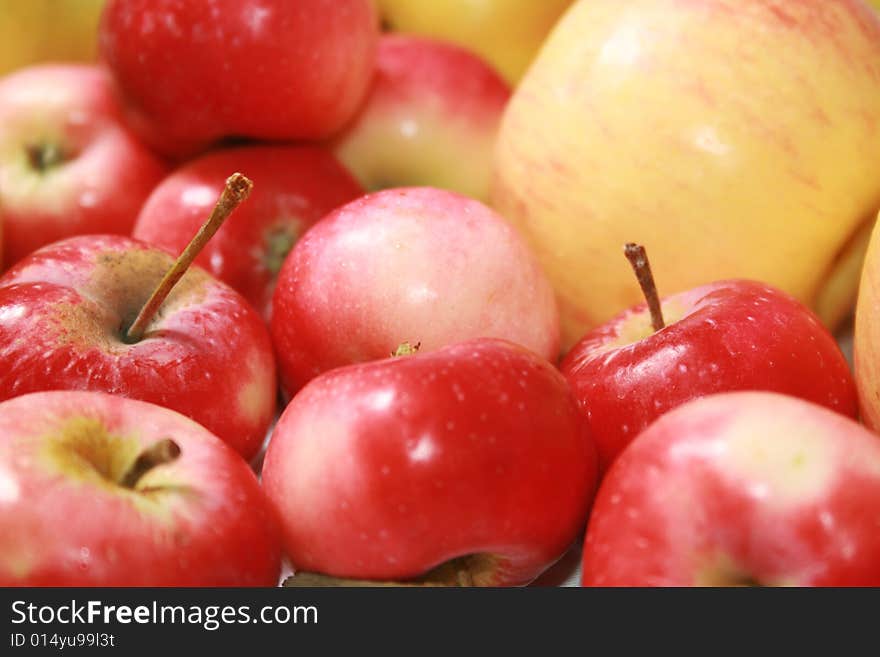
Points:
(417, 265)
(385, 470)
(740, 488)
(201, 520)
(721, 337)
(206, 354)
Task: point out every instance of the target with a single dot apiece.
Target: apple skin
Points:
(725, 336)
(740, 488)
(197, 71)
(207, 354)
(201, 520)
(508, 33)
(384, 470)
(104, 173)
(431, 119)
(48, 30)
(297, 186)
(866, 336)
(732, 182)
(417, 265)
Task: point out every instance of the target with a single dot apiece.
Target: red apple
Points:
(97, 490)
(415, 265)
(68, 165)
(200, 70)
(297, 186)
(474, 453)
(64, 314)
(430, 119)
(725, 336)
(739, 488)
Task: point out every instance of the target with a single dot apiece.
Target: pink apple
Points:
(430, 119)
(87, 499)
(729, 335)
(473, 456)
(296, 187)
(415, 265)
(743, 488)
(68, 164)
(64, 312)
(200, 70)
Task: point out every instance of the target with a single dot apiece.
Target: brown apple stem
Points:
(237, 189)
(159, 453)
(637, 257)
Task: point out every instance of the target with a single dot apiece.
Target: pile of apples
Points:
(414, 352)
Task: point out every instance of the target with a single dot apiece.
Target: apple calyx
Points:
(638, 258)
(406, 349)
(236, 190)
(44, 156)
(159, 453)
(467, 571)
(279, 242)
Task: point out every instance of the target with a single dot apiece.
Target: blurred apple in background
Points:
(729, 138)
(417, 265)
(68, 164)
(741, 488)
(97, 490)
(866, 338)
(431, 119)
(33, 31)
(507, 33)
(197, 71)
(298, 185)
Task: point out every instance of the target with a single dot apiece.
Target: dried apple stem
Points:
(159, 453)
(637, 257)
(237, 189)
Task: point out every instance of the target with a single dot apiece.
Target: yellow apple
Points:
(733, 138)
(507, 33)
(47, 30)
(866, 341)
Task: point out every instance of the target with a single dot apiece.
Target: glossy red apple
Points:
(68, 164)
(64, 313)
(743, 488)
(297, 186)
(725, 336)
(474, 454)
(430, 119)
(417, 265)
(98, 490)
(200, 70)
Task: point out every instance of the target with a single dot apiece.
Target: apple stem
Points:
(159, 453)
(638, 258)
(237, 189)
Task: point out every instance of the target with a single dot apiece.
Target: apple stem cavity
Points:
(406, 349)
(43, 157)
(159, 453)
(638, 258)
(237, 189)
